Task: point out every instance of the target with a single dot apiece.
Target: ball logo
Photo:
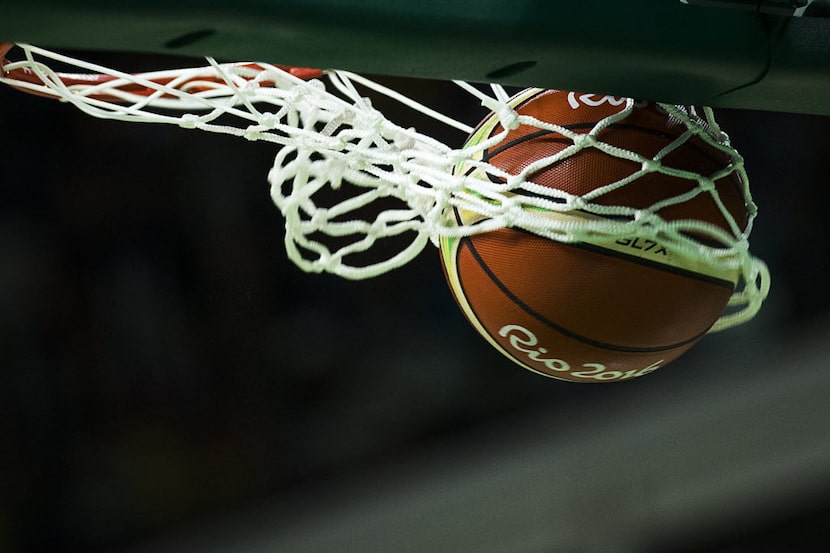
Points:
(526, 343)
(595, 100)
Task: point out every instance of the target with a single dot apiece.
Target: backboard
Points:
(748, 54)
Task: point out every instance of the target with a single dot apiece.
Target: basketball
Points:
(598, 311)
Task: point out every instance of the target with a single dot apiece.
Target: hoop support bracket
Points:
(785, 8)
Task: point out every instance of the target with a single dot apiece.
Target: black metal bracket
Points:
(785, 8)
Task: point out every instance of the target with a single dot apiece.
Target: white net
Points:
(350, 182)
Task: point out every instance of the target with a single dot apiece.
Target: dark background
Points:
(163, 363)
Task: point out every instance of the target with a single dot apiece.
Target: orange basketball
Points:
(603, 311)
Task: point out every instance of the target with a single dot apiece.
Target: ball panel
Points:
(646, 131)
(592, 169)
(535, 345)
(598, 295)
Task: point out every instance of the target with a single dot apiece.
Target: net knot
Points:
(333, 171)
(251, 89)
(269, 120)
(297, 94)
(319, 219)
(648, 223)
(650, 166)
(511, 211)
(189, 121)
(373, 122)
(584, 141)
(405, 140)
(741, 246)
(508, 117)
(706, 184)
(514, 181)
(576, 203)
(458, 158)
(253, 133)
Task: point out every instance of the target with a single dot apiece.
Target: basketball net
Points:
(390, 182)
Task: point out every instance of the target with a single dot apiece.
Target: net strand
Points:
(394, 185)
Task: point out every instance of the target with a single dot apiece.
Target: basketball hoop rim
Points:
(164, 78)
